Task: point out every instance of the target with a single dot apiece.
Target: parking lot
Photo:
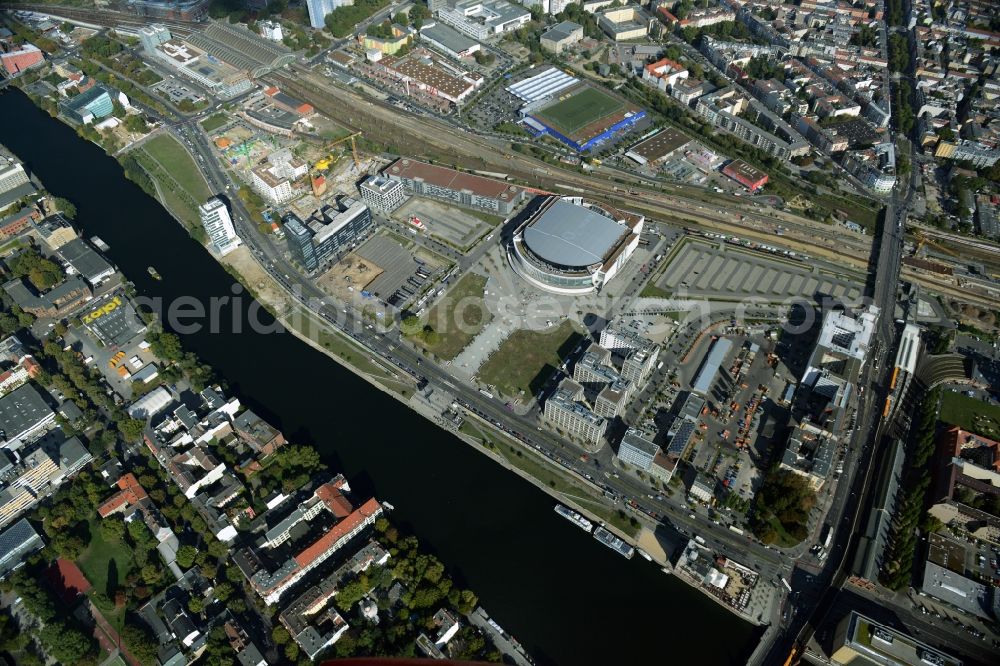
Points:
(717, 270)
(454, 226)
(125, 352)
(177, 92)
(404, 273)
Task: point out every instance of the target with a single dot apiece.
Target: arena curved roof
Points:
(574, 236)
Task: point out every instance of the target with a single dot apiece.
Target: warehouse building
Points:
(705, 378)
(746, 175)
(84, 261)
(448, 40)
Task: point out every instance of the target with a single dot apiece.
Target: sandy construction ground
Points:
(351, 272)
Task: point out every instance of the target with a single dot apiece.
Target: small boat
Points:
(153, 273)
(101, 245)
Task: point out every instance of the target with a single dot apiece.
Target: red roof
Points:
(338, 532)
(334, 500)
(131, 493)
(271, 92)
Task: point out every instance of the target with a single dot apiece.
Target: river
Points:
(568, 599)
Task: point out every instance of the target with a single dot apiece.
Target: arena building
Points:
(573, 246)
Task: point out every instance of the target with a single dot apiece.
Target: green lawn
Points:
(458, 317)
(527, 359)
(215, 121)
(971, 414)
(179, 164)
(95, 562)
(575, 113)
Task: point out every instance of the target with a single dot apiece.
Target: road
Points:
(868, 446)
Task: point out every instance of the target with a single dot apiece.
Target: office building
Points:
(318, 9)
(23, 414)
(464, 189)
(85, 108)
(320, 240)
(16, 543)
(625, 23)
(565, 410)
(382, 194)
(219, 226)
(612, 400)
(151, 36)
(270, 30)
(637, 449)
(861, 640)
(561, 36)
(483, 19)
(639, 364)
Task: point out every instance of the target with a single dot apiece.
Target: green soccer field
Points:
(580, 110)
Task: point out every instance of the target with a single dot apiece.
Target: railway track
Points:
(351, 110)
(107, 18)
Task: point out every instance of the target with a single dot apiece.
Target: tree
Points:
(140, 642)
(401, 18)
(196, 605)
(66, 207)
(185, 556)
(131, 429)
(279, 635)
(66, 644)
(135, 123)
(41, 272)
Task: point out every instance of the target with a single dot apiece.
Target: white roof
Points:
(150, 404)
(543, 85)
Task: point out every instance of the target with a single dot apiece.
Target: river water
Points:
(568, 599)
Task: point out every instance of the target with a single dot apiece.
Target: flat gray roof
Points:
(566, 234)
(447, 37)
(92, 266)
(22, 409)
(710, 366)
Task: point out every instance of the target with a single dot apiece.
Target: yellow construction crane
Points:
(354, 147)
(923, 239)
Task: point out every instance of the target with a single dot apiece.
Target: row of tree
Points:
(898, 567)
